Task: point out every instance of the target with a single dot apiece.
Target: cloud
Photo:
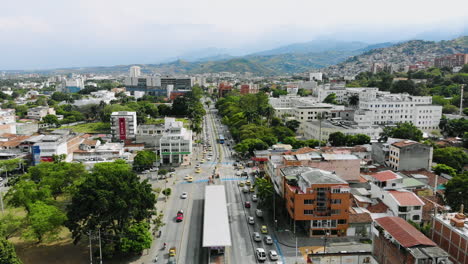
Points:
(88, 32)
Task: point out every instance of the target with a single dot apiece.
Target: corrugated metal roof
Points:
(216, 232)
(403, 232)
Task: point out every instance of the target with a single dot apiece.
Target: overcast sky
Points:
(63, 33)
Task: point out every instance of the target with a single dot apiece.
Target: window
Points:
(417, 208)
(335, 211)
(342, 221)
(336, 201)
(416, 217)
(308, 212)
(308, 201)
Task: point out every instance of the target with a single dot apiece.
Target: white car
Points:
(209, 158)
(254, 198)
(184, 195)
(260, 253)
(273, 255)
(238, 173)
(259, 213)
(256, 237)
(268, 240)
(251, 220)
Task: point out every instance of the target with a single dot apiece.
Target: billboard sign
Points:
(122, 128)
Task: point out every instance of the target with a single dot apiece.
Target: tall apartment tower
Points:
(123, 125)
(135, 71)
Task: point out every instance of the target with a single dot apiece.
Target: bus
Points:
(221, 139)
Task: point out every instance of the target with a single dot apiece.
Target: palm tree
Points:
(354, 100)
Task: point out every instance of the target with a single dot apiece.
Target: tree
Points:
(282, 132)
(278, 92)
(8, 253)
(303, 92)
(50, 119)
(406, 131)
(456, 191)
(442, 168)
(353, 100)
(167, 192)
(330, 99)
(451, 156)
(137, 237)
(361, 139)
(144, 159)
(265, 190)
(26, 192)
(404, 86)
(111, 198)
(10, 225)
(337, 139)
(449, 109)
(43, 220)
(293, 125)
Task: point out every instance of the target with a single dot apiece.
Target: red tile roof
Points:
(385, 175)
(355, 217)
(406, 198)
(406, 234)
(377, 208)
(404, 143)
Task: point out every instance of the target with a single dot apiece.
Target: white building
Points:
(123, 125)
(92, 150)
(388, 187)
(74, 85)
(135, 71)
(175, 145)
(315, 76)
(313, 129)
(7, 116)
(39, 112)
(399, 108)
(96, 98)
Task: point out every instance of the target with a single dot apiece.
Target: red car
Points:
(180, 216)
(247, 204)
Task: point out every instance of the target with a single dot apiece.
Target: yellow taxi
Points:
(202, 161)
(252, 189)
(188, 178)
(241, 184)
(264, 229)
(198, 170)
(247, 183)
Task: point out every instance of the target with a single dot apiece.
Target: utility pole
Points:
(90, 249)
(461, 98)
(100, 249)
(1, 200)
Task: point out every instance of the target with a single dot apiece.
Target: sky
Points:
(64, 33)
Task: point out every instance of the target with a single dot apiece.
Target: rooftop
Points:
(339, 157)
(385, 176)
(405, 198)
(403, 232)
(315, 176)
(404, 143)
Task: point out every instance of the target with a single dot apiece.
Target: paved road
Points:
(187, 235)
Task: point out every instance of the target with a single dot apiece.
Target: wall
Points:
(450, 241)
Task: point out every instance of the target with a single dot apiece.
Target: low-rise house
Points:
(39, 112)
(395, 241)
(410, 155)
(92, 150)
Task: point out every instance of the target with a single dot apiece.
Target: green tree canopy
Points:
(442, 168)
(112, 198)
(404, 131)
(293, 125)
(330, 99)
(50, 119)
(144, 159)
(451, 156)
(43, 221)
(8, 253)
(456, 191)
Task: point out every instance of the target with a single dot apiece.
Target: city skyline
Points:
(58, 34)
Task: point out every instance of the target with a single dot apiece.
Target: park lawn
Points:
(90, 128)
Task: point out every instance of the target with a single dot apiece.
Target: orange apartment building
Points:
(319, 199)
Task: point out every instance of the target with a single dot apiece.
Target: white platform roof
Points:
(216, 232)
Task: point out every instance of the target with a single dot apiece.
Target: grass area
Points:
(160, 121)
(92, 128)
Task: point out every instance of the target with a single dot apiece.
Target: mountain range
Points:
(333, 57)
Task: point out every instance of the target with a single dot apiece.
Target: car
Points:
(202, 161)
(241, 184)
(240, 167)
(264, 229)
(254, 198)
(198, 170)
(268, 240)
(247, 204)
(252, 189)
(184, 195)
(245, 189)
(238, 173)
(273, 255)
(197, 166)
(209, 158)
(260, 253)
(180, 216)
(234, 164)
(171, 170)
(145, 172)
(259, 213)
(204, 151)
(251, 220)
(210, 154)
(247, 182)
(256, 237)
(172, 252)
(188, 178)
